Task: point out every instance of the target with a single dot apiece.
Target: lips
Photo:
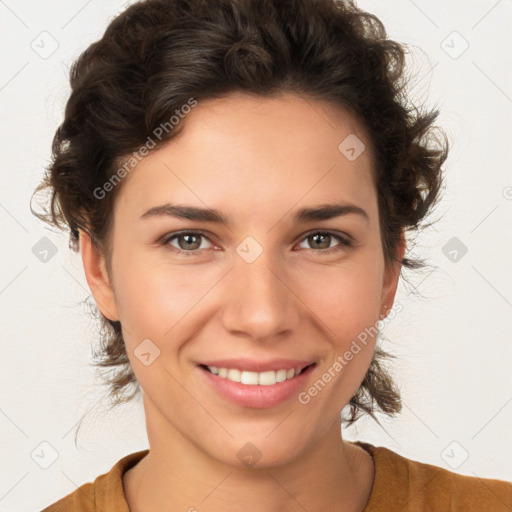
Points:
(251, 365)
(254, 396)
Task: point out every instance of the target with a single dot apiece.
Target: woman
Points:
(239, 176)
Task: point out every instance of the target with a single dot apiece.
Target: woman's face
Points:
(266, 285)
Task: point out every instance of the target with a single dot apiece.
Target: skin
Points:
(257, 160)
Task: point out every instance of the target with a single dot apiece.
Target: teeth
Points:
(254, 378)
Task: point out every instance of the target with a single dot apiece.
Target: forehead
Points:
(283, 126)
(248, 151)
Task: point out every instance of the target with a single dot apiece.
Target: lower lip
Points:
(257, 396)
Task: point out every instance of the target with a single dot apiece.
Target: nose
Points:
(259, 302)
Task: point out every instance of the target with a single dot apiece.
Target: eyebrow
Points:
(316, 213)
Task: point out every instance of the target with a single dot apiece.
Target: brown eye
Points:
(191, 241)
(321, 241)
(188, 242)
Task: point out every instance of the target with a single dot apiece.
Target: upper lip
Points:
(252, 365)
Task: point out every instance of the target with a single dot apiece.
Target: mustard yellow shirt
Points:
(400, 485)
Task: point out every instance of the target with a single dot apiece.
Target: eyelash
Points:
(345, 242)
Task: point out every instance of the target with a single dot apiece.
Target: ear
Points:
(97, 277)
(391, 278)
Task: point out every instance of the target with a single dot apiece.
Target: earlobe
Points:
(97, 277)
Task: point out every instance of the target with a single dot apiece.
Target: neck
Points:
(176, 474)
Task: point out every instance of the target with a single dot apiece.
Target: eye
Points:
(189, 242)
(322, 240)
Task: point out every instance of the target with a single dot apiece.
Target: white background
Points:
(454, 345)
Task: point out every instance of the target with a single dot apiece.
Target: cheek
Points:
(154, 297)
(346, 300)
(347, 308)
(158, 301)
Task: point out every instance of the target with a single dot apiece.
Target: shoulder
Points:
(408, 485)
(105, 493)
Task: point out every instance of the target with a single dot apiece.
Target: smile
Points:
(268, 378)
(259, 390)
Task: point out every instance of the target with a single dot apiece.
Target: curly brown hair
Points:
(157, 54)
